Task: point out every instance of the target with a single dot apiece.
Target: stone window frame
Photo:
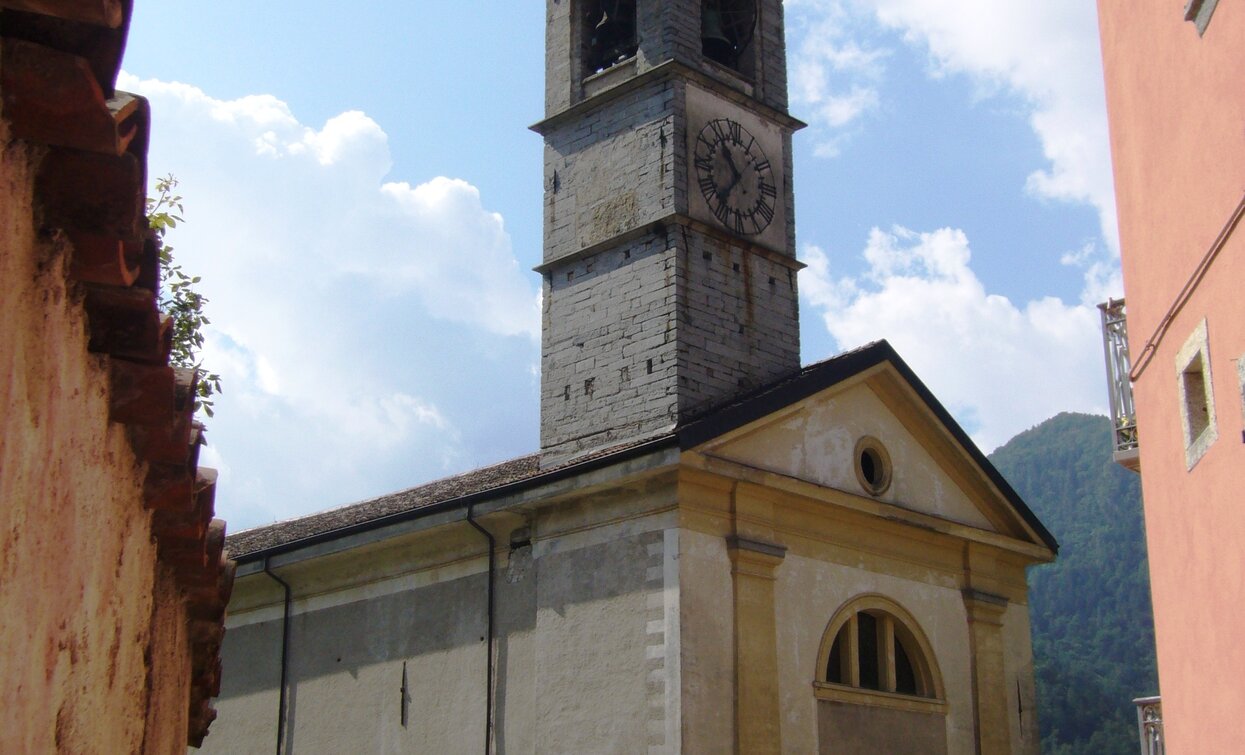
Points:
(880, 460)
(1199, 12)
(1240, 380)
(895, 623)
(1196, 395)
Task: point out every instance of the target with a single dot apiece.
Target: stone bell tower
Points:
(669, 253)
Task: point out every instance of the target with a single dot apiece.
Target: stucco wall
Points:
(580, 642)
(708, 628)
(803, 582)
(1024, 725)
(1175, 108)
(817, 443)
(79, 591)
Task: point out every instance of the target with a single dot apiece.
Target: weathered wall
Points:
(653, 311)
(817, 443)
(1175, 109)
(807, 581)
(79, 591)
(640, 337)
(113, 583)
(1025, 727)
(581, 641)
(666, 30)
(814, 580)
(926, 545)
(610, 171)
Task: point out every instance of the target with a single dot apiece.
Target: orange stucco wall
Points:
(95, 656)
(1176, 103)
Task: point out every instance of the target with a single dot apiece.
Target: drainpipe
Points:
(285, 645)
(488, 714)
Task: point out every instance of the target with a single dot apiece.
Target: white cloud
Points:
(1046, 52)
(840, 110)
(999, 367)
(834, 77)
(360, 324)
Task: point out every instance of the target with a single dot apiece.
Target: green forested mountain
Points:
(1093, 636)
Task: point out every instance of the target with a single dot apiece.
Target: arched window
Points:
(874, 644)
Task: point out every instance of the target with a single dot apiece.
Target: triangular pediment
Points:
(812, 428)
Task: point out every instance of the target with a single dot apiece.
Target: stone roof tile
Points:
(411, 499)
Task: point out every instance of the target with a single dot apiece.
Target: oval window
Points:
(873, 465)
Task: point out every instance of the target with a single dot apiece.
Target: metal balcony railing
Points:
(1119, 387)
(1150, 725)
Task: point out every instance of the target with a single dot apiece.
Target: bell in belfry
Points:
(715, 44)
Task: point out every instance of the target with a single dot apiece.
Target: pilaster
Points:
(985, 624)
(754, 561)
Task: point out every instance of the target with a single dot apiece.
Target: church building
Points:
(714, 549)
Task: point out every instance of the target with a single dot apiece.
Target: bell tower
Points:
(669, 248)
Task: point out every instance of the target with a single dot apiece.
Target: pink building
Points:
(1175, 83)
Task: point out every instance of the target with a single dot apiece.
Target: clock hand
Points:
(730, 161)
(736, 175)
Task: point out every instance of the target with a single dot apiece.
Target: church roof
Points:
(411, 499)
(525, 471)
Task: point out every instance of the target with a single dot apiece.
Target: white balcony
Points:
(1150, 725)
(1119, 386)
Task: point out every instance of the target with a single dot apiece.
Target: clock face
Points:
(735, 177)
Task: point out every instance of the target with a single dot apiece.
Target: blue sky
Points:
(363, 203)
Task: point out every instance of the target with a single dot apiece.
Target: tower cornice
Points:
(673, 219)
(670, 69)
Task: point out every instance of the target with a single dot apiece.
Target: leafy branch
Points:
(177, 295)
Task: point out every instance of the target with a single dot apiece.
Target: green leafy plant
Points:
(178, 297)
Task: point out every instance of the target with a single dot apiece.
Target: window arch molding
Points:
(897, 632)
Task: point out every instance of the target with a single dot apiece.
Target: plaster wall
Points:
(95, 655)
(1024, 725)
(816, 443)
(582, 632)
(708, 642)
(809, 591)
(1179, 157)
(832, 557)
(861, 730)
(937, 602)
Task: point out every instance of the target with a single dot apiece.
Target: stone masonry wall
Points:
(608, 368)
(610, 171)
(640, 337)
(666, 30)
(738, 322)
(649, 318)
